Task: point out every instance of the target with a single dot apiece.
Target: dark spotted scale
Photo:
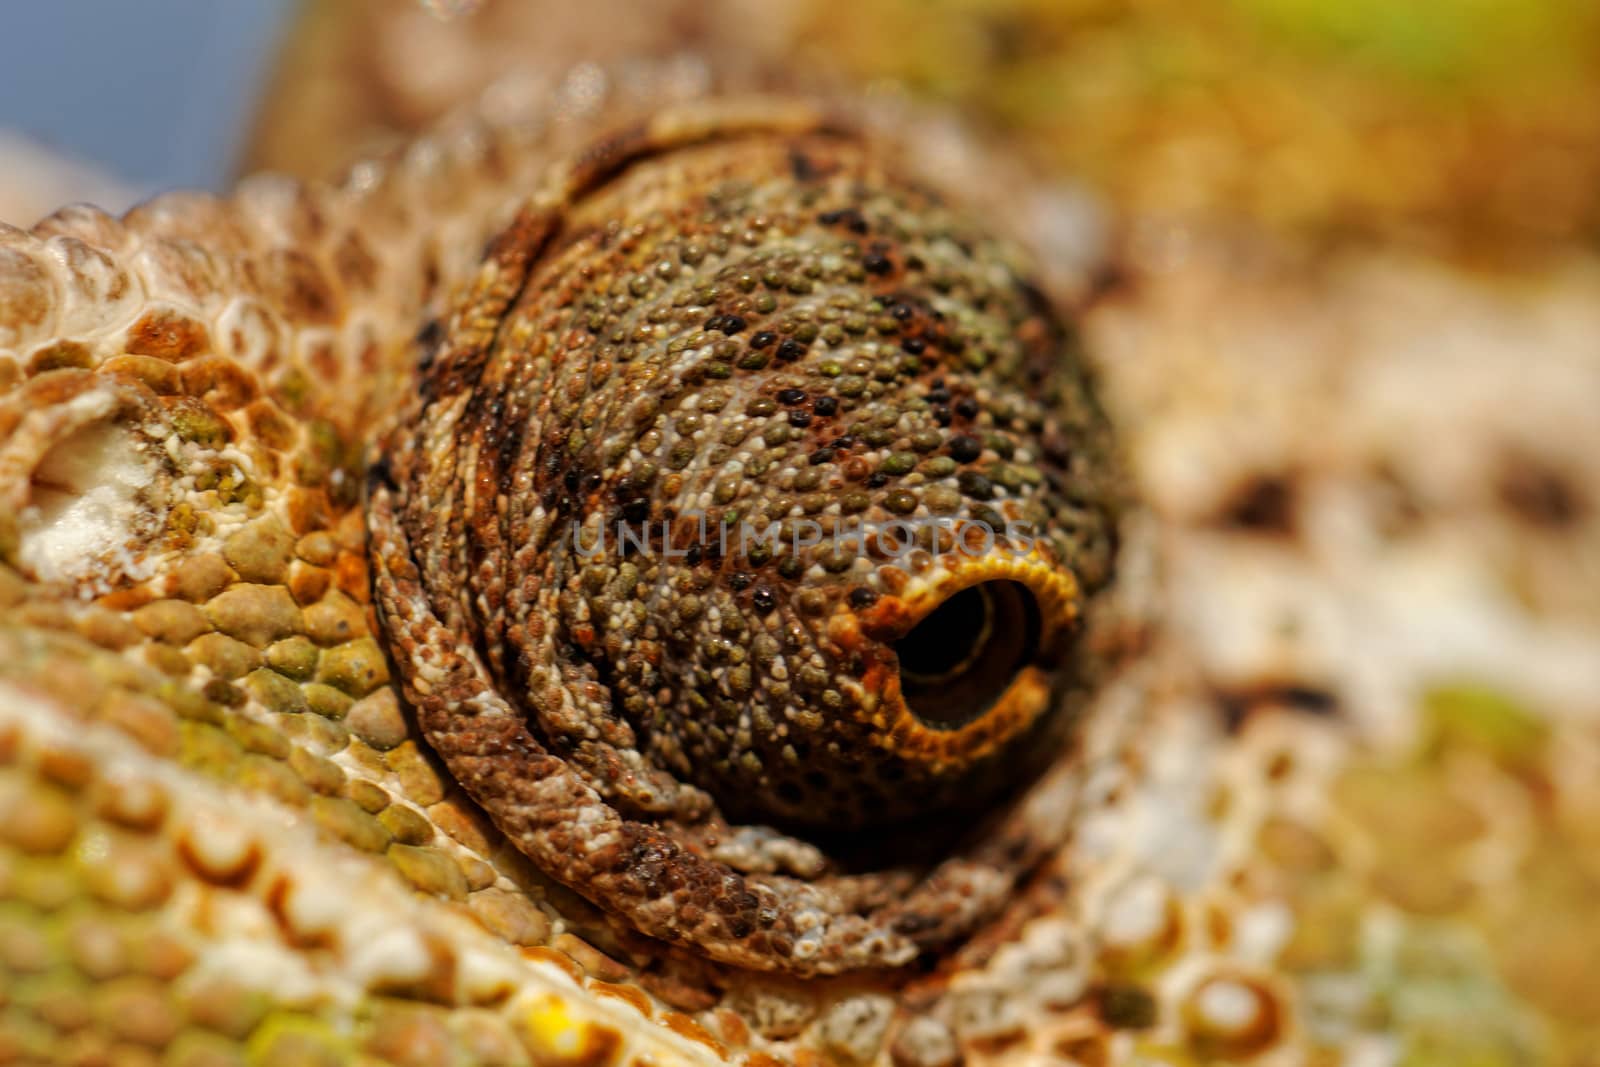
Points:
(725, 510)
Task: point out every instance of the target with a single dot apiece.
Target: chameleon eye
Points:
(960, 660)
(637, 545)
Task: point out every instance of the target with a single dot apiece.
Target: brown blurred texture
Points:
(1459, 125)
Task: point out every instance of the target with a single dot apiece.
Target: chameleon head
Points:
(751, 483)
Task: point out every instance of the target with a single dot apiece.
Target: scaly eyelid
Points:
(1027, 696)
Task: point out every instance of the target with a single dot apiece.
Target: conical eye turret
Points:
(754, 485)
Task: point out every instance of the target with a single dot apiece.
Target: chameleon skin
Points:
(222, 839)
(758, 324)
(184, 453)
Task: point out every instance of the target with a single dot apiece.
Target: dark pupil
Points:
(960, 659)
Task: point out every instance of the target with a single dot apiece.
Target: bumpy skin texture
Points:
(226, 840)
(733, 324)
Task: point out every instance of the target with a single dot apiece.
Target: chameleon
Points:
(333, 729)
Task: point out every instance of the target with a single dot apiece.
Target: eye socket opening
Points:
(959, 660)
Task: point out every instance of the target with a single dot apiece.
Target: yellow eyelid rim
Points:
(1059, 597)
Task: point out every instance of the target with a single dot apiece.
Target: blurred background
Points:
(139, 97)
(1465, 125)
